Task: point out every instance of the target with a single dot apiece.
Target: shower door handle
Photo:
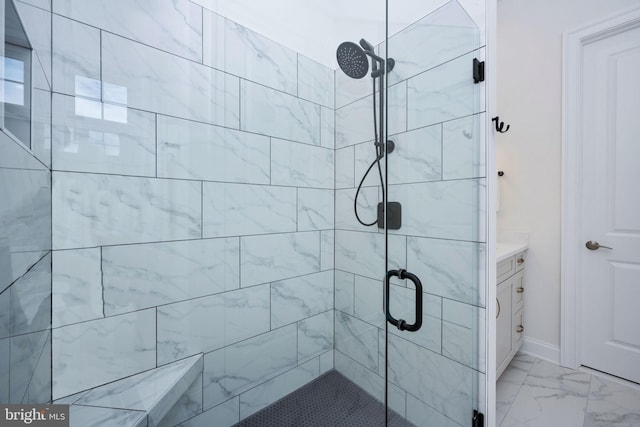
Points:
(400, 323)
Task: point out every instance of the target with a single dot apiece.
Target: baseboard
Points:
(542, 350)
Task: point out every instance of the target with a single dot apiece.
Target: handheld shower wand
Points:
(352, 59)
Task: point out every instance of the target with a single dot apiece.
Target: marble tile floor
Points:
(535, 393)
(331, 400)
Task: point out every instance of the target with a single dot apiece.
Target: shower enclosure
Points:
(179, 242)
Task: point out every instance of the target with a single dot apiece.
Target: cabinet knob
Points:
(519, 328)
(498, 302)
(520, 289)
(520, 260)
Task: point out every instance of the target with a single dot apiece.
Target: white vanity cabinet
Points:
(509, 307)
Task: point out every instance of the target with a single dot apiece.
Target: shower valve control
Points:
(394, 215)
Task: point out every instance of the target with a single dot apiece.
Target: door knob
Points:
(594, 246)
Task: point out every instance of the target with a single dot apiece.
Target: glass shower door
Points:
(435, 229)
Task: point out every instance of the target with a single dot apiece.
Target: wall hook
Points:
(500, 125)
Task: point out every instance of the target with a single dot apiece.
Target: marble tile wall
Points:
(25, 214)
(25, 233)
(437, 172)
(25, 336)
(193, 205)
(25, 278)
(193, 194)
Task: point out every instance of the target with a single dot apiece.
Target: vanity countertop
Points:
(505, 250)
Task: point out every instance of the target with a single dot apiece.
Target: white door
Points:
(610, 278)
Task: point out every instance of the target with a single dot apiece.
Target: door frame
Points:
(573, 43)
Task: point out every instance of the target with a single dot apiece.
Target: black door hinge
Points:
(478, 419)
(478, 70)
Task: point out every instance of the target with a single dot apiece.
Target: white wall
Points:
(530, 100)
(315, 29)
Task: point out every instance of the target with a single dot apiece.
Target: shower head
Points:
(352, 60)
(366, 45)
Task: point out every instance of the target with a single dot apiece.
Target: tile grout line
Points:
(406, 106)
(319, 250)
(586, 405)
(104, 315)
(156, 140)
(442, 327)
(469, 180)
(441, 151)
(185, 58)
(515, 396)
(270, 306)
(201, 390)
(354, 166)
(195, 239)
(332, 112)
(298, 75)
(101, 67)
(193, 180)
(201, 209)
(297, 209)
(271, 161)
(194, 120)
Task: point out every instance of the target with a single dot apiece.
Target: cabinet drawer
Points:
(518, 329)
(518, 291)
(505, 268)
(520, 260)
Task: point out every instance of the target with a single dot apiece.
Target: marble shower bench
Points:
(161, 397)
